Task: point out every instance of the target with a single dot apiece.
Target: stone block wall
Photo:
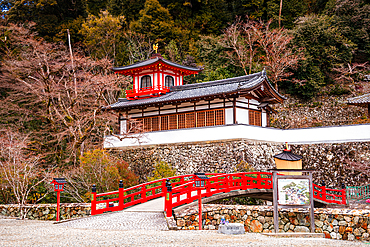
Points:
(334, 163)
(48, 211)
(334, 223)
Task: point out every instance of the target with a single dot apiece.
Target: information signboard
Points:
(293, 191)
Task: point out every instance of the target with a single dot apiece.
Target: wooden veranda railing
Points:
(184, 191)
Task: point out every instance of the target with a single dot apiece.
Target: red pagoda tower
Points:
(154, 77)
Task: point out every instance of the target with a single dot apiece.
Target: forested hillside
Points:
(57, 55)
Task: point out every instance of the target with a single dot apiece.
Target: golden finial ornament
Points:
(155, 47)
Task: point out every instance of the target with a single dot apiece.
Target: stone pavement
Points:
(121, 221)
(145, 216)
(14, 233)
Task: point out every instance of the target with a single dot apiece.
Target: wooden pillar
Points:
(368, 110)
(234, 111)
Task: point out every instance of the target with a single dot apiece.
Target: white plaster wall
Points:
(168, 111)
(155, 80)
(242, 116)
(254, 107)
(202, 107)
(136, 84)
(137, 115)
(154, 113)
(336, 134)
(123, 126)
(229, 118)
(264, 118)
(217, 105)
(186, 109)
(243, 100)
(161, 82)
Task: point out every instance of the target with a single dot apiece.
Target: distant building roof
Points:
(225, 87)
(362, 100)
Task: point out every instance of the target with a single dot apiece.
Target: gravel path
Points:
(45, 233)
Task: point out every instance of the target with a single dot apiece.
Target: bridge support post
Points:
(93, 200)
(200, 208)
(168, 199)
(121, 195)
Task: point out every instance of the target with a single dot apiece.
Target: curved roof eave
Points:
(152, 61)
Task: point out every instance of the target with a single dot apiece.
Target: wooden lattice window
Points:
(190, 120)
(148, 124)
(164, 122)
(210, 118)
(220, 117)
(181, 121)
(172, 122)
(155, 124)
(186, 120)
(255, 118)
(201, 119)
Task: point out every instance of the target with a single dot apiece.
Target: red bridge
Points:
(251, 184)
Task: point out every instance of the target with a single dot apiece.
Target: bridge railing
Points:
(222, 183)
(331, 196)
(184, 191)
(123, 198)
(358, 192)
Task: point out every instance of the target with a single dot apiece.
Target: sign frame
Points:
(276, 176)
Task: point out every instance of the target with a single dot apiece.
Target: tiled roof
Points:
(288, 155)
(359, 100)
(152, 61)
(237, 84)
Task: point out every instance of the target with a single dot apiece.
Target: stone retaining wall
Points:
(48, 211)
(334, 223)
(334, 163)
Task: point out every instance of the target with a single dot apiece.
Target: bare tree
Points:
(251, 43)
(67, 88)
(278, 54)
(139, 46)
(19, 171)
(347, 73)
(100, 168)
(240, 38)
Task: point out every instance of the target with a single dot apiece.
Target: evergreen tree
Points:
(156, 22)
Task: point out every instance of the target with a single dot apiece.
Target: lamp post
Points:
(200, 183)
(58, 187)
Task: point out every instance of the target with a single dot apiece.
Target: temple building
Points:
(171, 112)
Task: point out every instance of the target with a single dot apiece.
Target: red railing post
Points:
(168, 199)
(121, 194)
(143, 193)
(344, 197)
(93, 200)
